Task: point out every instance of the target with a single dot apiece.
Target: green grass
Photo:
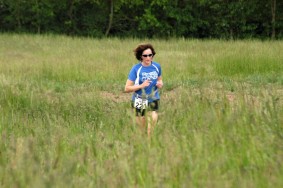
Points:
(65, 121)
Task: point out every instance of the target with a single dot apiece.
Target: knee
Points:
(154, 116)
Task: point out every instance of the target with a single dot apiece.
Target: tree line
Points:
(225, 19)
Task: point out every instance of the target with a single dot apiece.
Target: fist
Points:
(146, 83)
(159, 84)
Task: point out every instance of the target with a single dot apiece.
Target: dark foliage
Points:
(225, 19)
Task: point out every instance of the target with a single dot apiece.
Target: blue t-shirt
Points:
(139, 74)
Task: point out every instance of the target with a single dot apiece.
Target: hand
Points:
(146, 83)
(159, 84)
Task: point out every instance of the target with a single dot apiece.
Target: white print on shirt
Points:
(149, 75)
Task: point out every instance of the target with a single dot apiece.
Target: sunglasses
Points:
(147, 55)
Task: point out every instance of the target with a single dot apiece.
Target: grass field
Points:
(65, 121)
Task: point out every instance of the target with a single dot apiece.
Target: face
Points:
(147, 56)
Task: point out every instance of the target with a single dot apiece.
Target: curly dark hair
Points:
(142, 47)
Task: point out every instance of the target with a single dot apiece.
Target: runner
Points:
(144, 80)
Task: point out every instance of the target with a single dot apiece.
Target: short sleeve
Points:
(160, 71)
(132, 75)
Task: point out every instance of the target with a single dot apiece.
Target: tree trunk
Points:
(231, 33)
(70, 15)
(273, 19)
(110, 17)
(18, 15)
(37, 17)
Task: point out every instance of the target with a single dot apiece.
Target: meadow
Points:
(66, 122)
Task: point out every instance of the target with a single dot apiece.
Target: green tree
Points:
(230, 19)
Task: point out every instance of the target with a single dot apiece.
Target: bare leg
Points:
(141, 121)
(152, 120)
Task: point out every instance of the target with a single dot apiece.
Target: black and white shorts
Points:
(152, 106)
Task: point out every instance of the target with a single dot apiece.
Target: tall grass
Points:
(65, 121)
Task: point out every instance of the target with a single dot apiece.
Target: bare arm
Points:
(130, 87)
(159, 84)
